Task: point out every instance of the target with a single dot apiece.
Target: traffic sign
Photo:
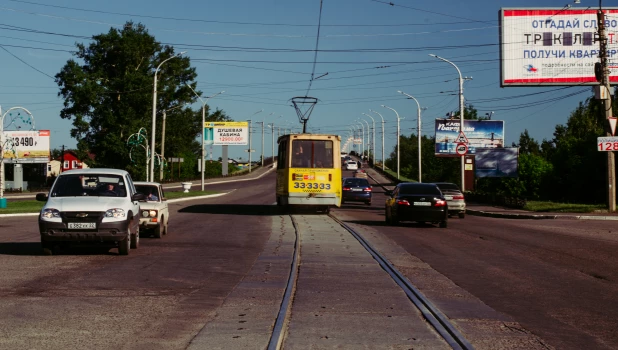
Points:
(461, 138)
(607, 143)
(461, 149)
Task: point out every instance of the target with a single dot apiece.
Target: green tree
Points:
(107, 93)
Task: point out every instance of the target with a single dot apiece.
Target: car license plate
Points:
(423, 204)
(82, 225)
(357, 189)
(448, 198)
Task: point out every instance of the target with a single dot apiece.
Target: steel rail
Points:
(277, 336)
(431, 313)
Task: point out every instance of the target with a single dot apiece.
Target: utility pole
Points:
(163, 149)
(611, 169)
(249, 145)
(62, 160)
(263, 143)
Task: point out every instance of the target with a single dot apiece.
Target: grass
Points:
(563, 207)
(33, 206)
(18, 207)
(401, 178)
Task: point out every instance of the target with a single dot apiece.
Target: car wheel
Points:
(125, 245)
(443, 224)
(462, 215)
(135, 240)
(157, 232)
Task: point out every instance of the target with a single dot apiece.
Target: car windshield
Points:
(419, 189)
(448, 187)
(356, 182)
(150, 191)
(102, 185)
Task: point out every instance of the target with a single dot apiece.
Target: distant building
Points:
(56, 166)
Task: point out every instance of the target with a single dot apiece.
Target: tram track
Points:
(432, 315)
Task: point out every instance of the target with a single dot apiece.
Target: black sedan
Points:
(356, 190)
(421, 202)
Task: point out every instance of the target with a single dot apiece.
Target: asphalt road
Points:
(158, 297)
(546, 284)
(556, 278)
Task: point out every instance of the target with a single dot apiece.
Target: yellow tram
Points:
(309, 170)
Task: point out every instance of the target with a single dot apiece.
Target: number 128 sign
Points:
(607, 144)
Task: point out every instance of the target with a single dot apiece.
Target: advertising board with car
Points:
(479, 134)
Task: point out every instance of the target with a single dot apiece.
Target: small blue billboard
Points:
(496, 162)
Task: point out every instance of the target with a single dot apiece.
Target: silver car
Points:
(454, 198)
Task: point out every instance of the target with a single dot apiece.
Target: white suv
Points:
(91, 206)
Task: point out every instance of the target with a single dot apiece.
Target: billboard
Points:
(496, 162)
(226, 133)
(480, 134)
(554, 46)
(25, 146)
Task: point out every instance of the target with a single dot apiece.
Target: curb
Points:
(538, 216)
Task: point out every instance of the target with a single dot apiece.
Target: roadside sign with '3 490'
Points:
(607, 143)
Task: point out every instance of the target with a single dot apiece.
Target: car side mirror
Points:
(140, 197)
(164, 199)
(41, 197)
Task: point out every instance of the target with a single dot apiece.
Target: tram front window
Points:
(312, 154)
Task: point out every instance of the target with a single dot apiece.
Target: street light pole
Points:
(418, 134)
(461, 116)
(163, 141)
(154, 116)
(397, 137)
(362, 139)
(203, 122)
(373, 154)
(368, 146)
(261, 110)
(382, 136)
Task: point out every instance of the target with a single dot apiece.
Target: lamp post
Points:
(154, 115)
(382, 136)
(163, 141)
(368, 149)
(261, 110)
(203, 161)
(418, 134)
(461, 115)
(398, 119)
(264, 121)
(373, 142)
(362, 138)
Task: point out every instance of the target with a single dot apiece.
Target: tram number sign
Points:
(312, 185)
(607, 144)
(461, 149)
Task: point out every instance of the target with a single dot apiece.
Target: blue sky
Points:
(261, 53)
